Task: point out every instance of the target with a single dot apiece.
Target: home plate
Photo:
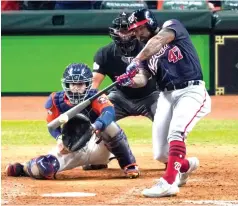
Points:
(69, 194)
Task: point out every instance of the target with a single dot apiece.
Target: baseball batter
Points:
(77, 142)
(112, 60)
(184, 100)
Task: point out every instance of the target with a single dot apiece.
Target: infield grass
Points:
(138, 130)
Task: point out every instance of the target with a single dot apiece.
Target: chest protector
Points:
(60, 103)
(63, 106)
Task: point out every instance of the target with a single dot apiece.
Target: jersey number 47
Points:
(174, 54)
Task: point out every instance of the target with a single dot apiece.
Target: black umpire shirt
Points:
(109, 61)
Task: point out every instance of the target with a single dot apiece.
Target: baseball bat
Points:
(75, 110)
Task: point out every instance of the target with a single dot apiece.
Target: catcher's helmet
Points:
(143, 17)
(76, 73)
(124, 39)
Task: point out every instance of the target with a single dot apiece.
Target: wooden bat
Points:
(63, 118)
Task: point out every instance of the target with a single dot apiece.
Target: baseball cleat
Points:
(15, 170)
(132, 171)
(94, 167)
(161, 189)
(182, 178)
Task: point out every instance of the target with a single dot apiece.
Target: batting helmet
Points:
(143, 17)
(76, 73)
(124, 39)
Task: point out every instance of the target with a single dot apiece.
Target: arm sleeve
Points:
(141, 78)
(178, 28)
(99, 65)
(52, 113)
(106, 118)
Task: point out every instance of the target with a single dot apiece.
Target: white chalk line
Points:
(213, 202)
(69, 194)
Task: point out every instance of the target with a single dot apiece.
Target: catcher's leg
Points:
(121, 107)
(116, 142)
(97, 155)
(42, 167)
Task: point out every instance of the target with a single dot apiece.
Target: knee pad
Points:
(43, 167)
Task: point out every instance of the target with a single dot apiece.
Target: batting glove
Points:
(125, 80)
(133, 68)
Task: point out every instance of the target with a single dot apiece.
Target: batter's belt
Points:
(183, 85)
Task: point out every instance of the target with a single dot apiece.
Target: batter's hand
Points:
(125, 80)
(133, 68)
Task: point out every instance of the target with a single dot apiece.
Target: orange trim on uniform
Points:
(52, 112)
(100, 103)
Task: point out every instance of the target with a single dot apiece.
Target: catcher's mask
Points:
(76, 75)
(124, 39)
(77, 132)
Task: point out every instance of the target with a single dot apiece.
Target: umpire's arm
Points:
(97, 80)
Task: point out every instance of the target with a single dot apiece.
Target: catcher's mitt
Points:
(76, 133)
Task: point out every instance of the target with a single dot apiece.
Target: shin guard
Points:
(119, 147)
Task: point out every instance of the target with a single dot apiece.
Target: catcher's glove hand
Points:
(76, 133)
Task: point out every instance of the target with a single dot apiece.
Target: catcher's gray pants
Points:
(92, 153)
(125, 106)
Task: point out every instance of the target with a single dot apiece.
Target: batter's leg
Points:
(188, 110)
(151, 104)
(190, 105)
(160, 128)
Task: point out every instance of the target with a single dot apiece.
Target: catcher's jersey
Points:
(58, 103)
(177, 61)
(109, 61)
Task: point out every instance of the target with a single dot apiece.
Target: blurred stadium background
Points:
(39, 38)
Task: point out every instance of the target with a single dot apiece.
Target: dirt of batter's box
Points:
(216, 179)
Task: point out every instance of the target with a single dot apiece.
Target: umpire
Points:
(112, 60)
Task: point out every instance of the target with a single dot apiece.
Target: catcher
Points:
(80, 142)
